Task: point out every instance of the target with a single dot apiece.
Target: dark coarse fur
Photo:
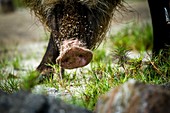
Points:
(89, 22)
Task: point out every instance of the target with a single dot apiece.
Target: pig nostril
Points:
(66, 60)
(80, 56)
(74, 56)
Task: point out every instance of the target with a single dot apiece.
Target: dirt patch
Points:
(19, 27)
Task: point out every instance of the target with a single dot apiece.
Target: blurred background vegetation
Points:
(18, 3)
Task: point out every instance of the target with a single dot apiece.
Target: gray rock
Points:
(24, 102)
(135, 97)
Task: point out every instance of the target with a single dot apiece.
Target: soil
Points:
(19, 27)
(21, 34)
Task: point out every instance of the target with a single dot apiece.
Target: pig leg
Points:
(161, 29)
(50, 56)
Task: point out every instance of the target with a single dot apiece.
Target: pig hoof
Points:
(44, 77)
(45, 74)
(75, 57)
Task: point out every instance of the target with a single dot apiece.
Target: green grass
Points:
(109, 68)
(134, 36)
